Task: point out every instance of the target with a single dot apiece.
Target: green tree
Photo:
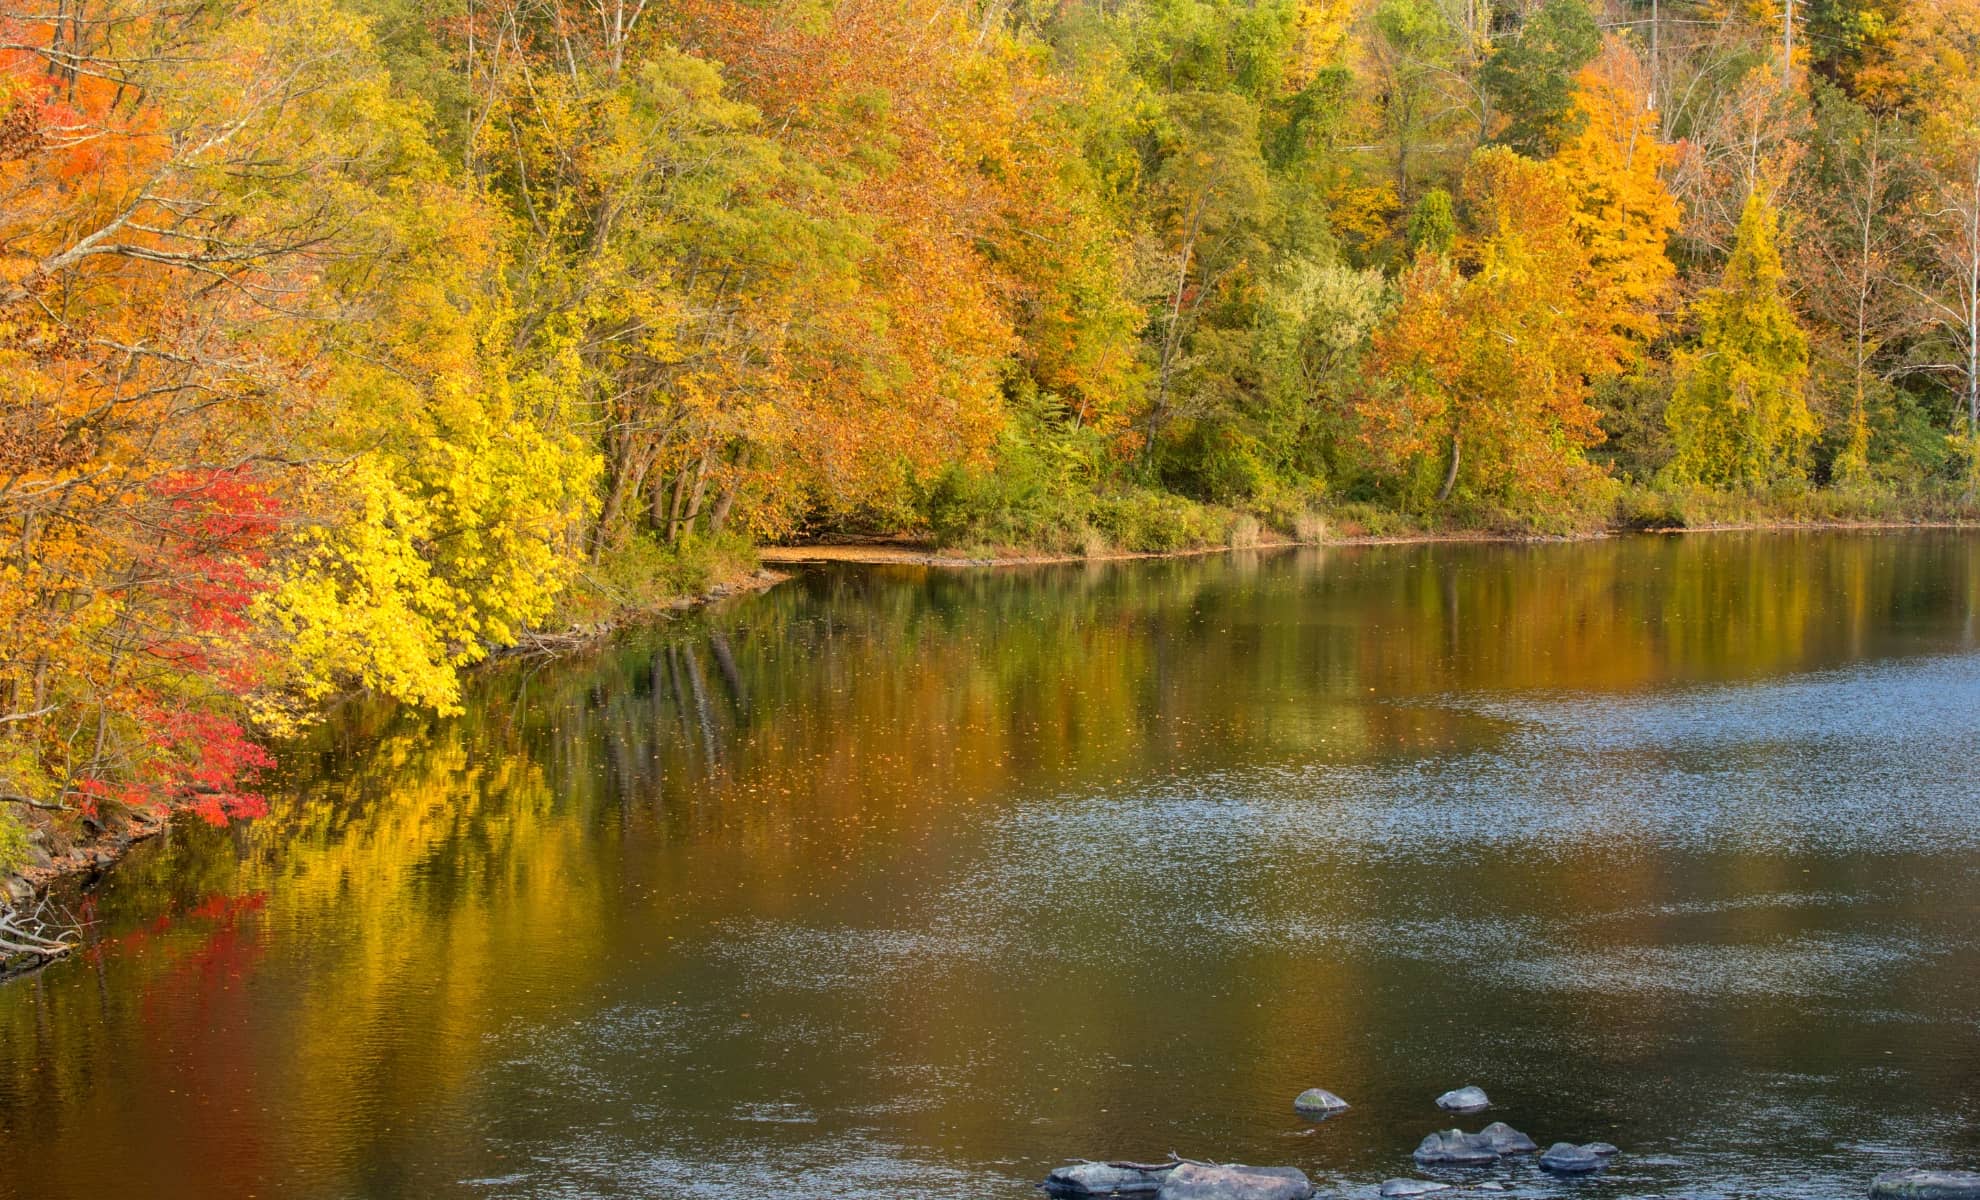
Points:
(1433, 226)
(1739, 415)
(1531, 80)
(1414, 56)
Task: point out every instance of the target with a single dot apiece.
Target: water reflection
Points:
(901, 881)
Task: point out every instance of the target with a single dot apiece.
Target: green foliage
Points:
(1037, 492)
(1150, 522)
(1531, 79)
(1637, 440)
(1433, 224)
(13, 842)
(644, 574)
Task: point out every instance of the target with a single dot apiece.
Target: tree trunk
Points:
(669, 523)
(695, 496)
(626, 475)
(719, 519)
(1450, 475)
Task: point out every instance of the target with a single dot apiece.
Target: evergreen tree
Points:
(1531, 80)
(1433, 226)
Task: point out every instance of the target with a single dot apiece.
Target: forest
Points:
(345, 343)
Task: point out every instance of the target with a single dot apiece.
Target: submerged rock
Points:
(1318, 1102)
(1507, 1140)
(1569, 1159)
(1454, 1147)
(1412, 1187)
(1464, 1099)
(1602, 1148)
(1916, 1184)
(1103, 1179)
(1199, 1181)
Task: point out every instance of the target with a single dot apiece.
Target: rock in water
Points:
(1194, 1181)
(1454, 1147)
(1507, 1140)
(1915, 1184)
(1318, 1102)
(1412, 1187)
(1101, 1179)
(1569, 1159)
(1464, 1099)
(1602, 1148)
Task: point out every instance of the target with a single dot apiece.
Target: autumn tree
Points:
(171, 205)
(1934, 65)
(1414, 68)
(262, 443)
(1484, 377)
(1613, 166)
(1856, 252)
(1739, 416)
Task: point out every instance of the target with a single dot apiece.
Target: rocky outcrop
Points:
(1105, 1179)
(1201, 1181)
(1464, 1099)
(1454, 1147)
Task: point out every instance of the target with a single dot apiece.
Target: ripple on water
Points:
(1799, 966)
(845, 1166)
(814, 958)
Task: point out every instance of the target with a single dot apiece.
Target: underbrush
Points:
(644, 574)
(1677, 507)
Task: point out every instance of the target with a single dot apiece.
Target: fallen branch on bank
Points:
(35, 933)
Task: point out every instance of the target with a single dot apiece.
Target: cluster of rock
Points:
(1183, 1179)
(1454, 1147)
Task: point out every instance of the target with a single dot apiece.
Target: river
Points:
(914, 883)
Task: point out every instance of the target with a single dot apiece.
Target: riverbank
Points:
(55, 849)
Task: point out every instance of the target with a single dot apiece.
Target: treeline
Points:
(343, 341)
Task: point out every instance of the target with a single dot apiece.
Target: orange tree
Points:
(1487, 360)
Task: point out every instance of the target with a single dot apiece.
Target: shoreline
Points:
(911, 552)
(68, 858)
(57, 855)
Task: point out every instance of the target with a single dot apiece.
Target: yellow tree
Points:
(1613, 167)
(1739, 415)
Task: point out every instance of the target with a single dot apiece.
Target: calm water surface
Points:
(904, 883)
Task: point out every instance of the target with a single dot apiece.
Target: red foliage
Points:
(201, 761)
(213, 543)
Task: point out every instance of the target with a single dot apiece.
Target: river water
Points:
(898, 882)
